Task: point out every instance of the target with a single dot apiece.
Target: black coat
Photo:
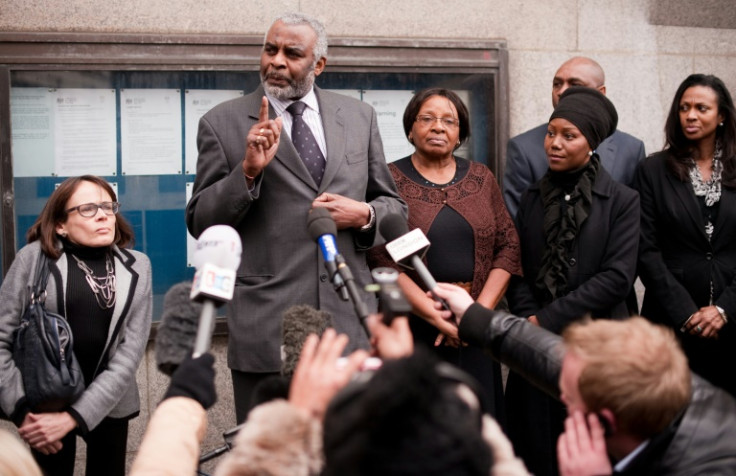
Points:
(702, 441)
(677, 265)
(602, 269)
(602, 265)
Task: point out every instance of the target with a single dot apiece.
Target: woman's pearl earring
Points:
(590, 153)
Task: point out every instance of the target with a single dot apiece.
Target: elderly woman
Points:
(579, 233)
(104, 291)
(687, 257)
(458, 205)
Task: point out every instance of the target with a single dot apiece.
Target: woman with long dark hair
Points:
(104, 292)
(687, 256)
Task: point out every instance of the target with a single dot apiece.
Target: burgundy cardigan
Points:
(477, 198)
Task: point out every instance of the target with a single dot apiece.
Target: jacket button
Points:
(709, 256)
(323, 277)
(572, 262)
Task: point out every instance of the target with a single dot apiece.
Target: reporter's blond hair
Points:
(634, 368)
(15, 457)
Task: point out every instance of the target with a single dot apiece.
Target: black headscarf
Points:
(590, 111)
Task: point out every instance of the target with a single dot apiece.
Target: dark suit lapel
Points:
(607, 153)
(686, 196)
(286, 153)
(333, 123)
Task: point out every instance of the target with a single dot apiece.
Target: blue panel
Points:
(166, 246)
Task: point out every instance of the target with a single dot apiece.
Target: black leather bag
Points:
(42, 351)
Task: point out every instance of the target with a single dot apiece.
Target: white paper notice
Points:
(32, 132)
(150, 131)
(196, 103)
(389, 106)
(84, 132)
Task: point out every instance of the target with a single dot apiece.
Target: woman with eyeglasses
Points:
(104, 292)
(458, 205)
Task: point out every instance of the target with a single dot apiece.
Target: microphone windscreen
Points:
(218, 245)
(178, 328)
(299, 321)
(393, 226)
(320, 222)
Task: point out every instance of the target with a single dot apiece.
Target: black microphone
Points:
(322, 228)
(407, 248)
(299, 321)
(178, 328)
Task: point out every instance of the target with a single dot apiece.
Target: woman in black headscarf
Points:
(579, 237)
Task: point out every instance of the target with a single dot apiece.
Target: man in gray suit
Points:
(251, 177)
(526, 159)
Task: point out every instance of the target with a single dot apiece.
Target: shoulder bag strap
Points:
(42, 277)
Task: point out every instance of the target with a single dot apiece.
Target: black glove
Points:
(195, 379)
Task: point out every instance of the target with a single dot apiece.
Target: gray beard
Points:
(295, 89)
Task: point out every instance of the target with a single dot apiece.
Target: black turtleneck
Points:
(89, 322)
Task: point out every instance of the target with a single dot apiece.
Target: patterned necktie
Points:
(305, 143)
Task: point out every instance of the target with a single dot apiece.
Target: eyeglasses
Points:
(89, 210)
(427, 121)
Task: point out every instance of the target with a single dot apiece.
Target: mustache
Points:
(275, 75)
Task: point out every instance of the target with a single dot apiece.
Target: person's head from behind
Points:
(582, 119)
(413, 417)
(15, 458)
(702, 109)
(84, 211)
(294, 53)
(578, 71)
(436, 122)
(632, 373)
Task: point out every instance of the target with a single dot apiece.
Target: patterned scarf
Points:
(566, 203)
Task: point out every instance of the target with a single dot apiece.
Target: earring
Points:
(590, 153)
(721, 124)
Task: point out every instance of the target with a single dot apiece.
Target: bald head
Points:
(578, 71)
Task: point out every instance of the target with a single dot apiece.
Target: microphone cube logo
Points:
(404, 247)
(213, 282)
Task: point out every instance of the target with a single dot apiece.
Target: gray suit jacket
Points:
(281, 264)
(113, 392)
(526, 161)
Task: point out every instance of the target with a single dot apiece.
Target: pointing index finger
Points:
(263, 113)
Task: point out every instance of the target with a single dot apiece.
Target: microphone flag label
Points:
(404, 247)
(213, 282)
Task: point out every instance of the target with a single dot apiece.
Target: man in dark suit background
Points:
(526, 160)
(251, 177)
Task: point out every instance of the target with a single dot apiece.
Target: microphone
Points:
(178, 328)
(322, 228)
(407, 248)
(216, 257)
(299, 321)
